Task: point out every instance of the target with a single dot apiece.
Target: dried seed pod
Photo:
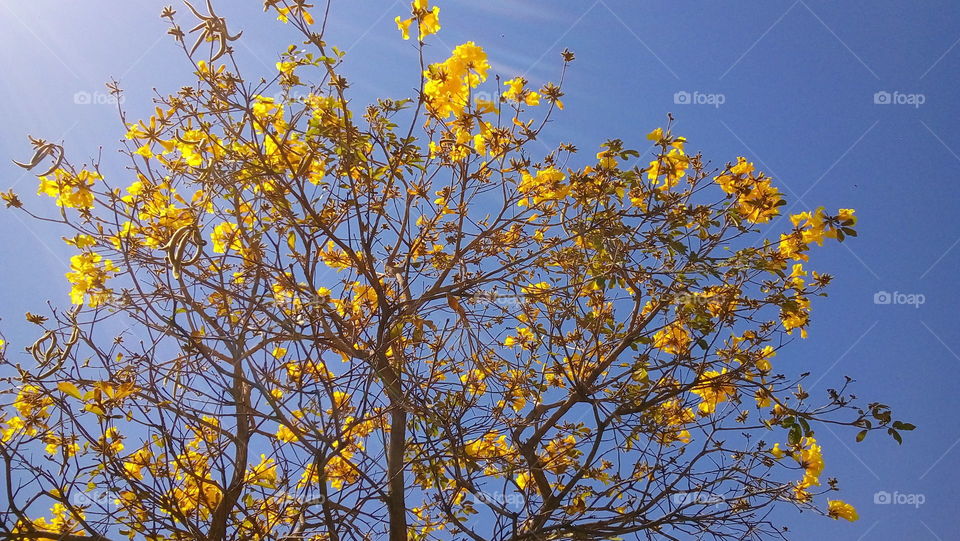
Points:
(213, 28)
(176, 248)
(44, 150)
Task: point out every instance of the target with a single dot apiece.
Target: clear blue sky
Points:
(798, 82)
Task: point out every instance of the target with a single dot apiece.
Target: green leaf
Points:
(860, 435)
(793, 438)
(896, 435)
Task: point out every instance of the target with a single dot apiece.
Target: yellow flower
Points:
(525, 479)
(144, 151)
(473, 382)
(792, 247)
(672, 338)
(491, 445)
(263, 474)
(547, 185)
(136, 462)
(713, 388)
(671, 416)
(14, 426)
(111, 442)
(56, 445)
(811, 460)
(846, 215)
(448, 84)
(777, 451)
(430, 23)
(32, 401)
(89, 278)
(518, 93)
(81, 241)
(225, 237)
(428, 20)
(816, 226)
(285, 434)
(756, 198)
(339, 470)
(796, 315)
(560, 454)
(672, 166)
(837, 509)
(404, 26)
(68, 189)
(607, 159)
(767, 353)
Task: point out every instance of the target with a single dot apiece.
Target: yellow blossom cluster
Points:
(88, 277)
(473, 382)
(808, 455)
(756, 198)
(837, 509)
(157, 213)
(427, 19)
(560, 454)
(671, 417)
(795, 313)
(68, 189)
(671, 165)
(546, 185)
(448, 84)
(713, 388)
(490, 448)
(298, 8)
(263, 474)
(63, 521)
(517, 92)
(672, 338)
(814, 227)
(225, 236)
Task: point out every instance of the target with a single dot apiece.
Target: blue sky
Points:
(798, 81)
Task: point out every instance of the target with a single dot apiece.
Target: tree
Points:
(405, 324)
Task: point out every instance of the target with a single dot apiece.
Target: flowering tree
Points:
(403, 323)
